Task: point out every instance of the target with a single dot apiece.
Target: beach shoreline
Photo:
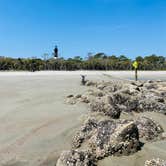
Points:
(37, 124)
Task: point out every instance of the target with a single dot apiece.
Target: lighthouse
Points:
(56, 52)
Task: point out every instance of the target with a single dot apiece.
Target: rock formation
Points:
(148, 128)
(155, 162)
(131, 96)
(76, 158)
(109, 135)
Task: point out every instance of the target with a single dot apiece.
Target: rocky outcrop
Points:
(148, 128)
(155, 162)
(91, 83)
(113, 97)
(115, 139)
(102, 138)
(76, 158)
(102, 105)
(108, 137)
(86, 131)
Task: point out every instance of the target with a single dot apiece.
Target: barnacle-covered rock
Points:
(103, 134)
(108, 137)
(151, 105)
(155, 162)
(91, 83)
(112, 138)
(148, 128)
(102, 105)
(76, 158)
(133, 96)
(84, 133)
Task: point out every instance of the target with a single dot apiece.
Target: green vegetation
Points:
(98, 61)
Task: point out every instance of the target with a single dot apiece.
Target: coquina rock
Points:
(155, 162)
(108, 137)
(148, 128)
(131, 96)
(86, 131)
(115, 139)
(102, 105)
(76, 158)
(91, 83)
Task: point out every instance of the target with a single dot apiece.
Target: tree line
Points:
(99, 61)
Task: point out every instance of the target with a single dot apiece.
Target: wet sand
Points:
(36, 124)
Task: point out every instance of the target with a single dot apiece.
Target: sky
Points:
(30, 28)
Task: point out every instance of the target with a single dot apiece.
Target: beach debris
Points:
(148, 128)
(83, 81)
(155, 162)
(76, 158)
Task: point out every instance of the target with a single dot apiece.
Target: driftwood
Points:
(83, 81)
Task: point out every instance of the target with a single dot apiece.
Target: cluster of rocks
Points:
(138, 97)
(95, 131)
(155, 162)
(113, 97)
(114, 139)
(97, 139)
(105, 138)
(110, 135)
(76, 158)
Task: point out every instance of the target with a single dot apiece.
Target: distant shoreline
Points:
(123, 74)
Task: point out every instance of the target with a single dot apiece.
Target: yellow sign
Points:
(135, 64)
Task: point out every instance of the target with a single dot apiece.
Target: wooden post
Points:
(136, 74)
(135, 65)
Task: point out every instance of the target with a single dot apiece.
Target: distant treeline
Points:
(98, 61)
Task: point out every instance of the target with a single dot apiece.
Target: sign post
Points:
(135, 65)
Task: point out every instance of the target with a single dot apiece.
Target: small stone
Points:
(78, 96)
(163, 136)
(70, 96)
(155, 162)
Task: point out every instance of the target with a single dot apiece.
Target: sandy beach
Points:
(37, 124)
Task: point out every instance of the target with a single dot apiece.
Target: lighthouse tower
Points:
(56, 52)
